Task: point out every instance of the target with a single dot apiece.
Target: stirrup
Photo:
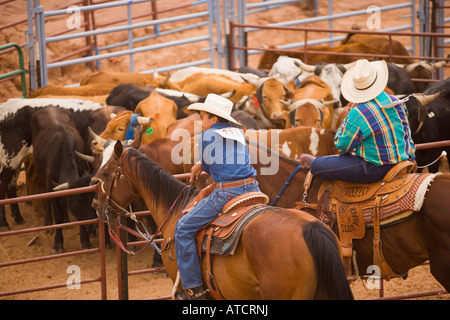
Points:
(197, 293)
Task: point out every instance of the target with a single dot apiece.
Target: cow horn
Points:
(229, 94)
(62, 186)
(329, 102)
(155, 73)
(425, 99)
(144, 120)
(250, 80)
(165, 82)
(349, 65)
(284, 102)
(192, 98)
(241, 103)
(304, 66)
(438, 64)
(403, 66)
(96, 137)
(86, 157)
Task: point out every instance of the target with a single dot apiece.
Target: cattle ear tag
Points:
(149, 130)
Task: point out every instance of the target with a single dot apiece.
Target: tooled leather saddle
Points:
(353, 207)
(221, 236)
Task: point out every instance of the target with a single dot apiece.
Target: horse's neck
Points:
(171, 193)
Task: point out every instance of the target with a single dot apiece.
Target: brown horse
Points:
(283, 253)
(425, 235)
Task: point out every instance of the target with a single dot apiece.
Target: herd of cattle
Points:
(59, 132)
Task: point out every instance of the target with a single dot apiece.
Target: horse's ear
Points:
(118, 149)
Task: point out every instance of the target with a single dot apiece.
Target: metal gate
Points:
(215, 15)
(40, 55)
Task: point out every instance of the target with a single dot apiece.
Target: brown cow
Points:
(203, 84)
(313, 88)
(99, 99)
(421, 70)
(89, 90)
(114, 78)
(266, 92)
(295, 141)
(157, 113)
(381, 44)
(311, 113)
(270, 57)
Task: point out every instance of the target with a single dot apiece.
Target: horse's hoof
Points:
(22, 221)
(4, 228)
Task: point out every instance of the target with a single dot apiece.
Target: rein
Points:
(286, 184)
(150, 239)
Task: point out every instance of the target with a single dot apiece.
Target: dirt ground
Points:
(147, 285)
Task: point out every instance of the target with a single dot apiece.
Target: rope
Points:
(443, 153)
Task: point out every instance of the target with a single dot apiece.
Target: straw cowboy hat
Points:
(364, 81)
(216, 105)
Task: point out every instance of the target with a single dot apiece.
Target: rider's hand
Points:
(195, 171)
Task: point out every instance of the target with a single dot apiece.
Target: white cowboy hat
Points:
(364, 81)
(216, 105)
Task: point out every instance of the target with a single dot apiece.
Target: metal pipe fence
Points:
(101, 249)
(21, 71)
(243, 34)
(43, 40)
(306, 51)
(122, 269)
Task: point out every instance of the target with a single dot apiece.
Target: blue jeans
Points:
(348, 168)
(203, 213)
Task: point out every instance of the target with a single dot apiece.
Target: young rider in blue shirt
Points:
(224, 156)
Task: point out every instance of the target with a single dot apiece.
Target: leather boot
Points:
(306, 160)
(196, 293)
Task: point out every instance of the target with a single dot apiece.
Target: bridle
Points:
(112, 206)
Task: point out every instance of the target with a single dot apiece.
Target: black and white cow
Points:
(429, 119)
(55, 139)
(16, 139)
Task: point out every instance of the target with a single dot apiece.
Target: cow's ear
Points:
(137, 137)
(118, 149)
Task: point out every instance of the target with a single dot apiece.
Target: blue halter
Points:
(133, 123)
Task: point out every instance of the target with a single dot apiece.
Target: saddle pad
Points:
(225, 243)
(409, 200)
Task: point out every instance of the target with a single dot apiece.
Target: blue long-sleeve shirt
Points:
(223, 158)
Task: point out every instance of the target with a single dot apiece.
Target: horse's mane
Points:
(163, 186)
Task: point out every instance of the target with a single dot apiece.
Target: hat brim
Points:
(199, 106)
(355, 95)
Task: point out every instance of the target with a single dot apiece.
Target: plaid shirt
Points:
(378, 135)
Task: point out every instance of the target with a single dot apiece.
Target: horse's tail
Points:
(332, 280)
